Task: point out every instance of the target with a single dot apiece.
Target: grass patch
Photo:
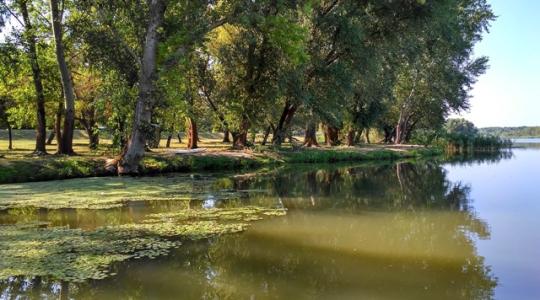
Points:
(53, 168)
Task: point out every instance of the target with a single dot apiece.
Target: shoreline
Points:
(63, 167)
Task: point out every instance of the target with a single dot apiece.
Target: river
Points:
(462, 228)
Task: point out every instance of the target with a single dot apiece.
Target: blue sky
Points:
(509, 93)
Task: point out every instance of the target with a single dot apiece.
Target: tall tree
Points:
(30, 46)
(129, 162)
(66, 147)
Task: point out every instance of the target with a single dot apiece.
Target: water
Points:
(462, 229)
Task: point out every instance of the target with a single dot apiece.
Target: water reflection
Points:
(390, 231)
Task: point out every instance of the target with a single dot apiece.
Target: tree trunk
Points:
(30, 41)
(332, 135)
(179, 138)
(388, 133)
(64, 290)
(67, 83)
(266, 134)
(10, 138)
(400, 130)
(88, 120)
(154, 137)
(226, 135)
(193, 134)
(310, 137)
(367, 136)
(129, 161)
(93, 137)
(169, 138)
(351, 134)
(51, 137)
(240, 137)
(58, 126)
(285, 120)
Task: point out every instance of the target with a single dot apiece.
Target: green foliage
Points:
(512, 132)
(462, 136)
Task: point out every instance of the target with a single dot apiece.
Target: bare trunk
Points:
(10, 138)
(89, 123)
(285, 120)
(193, 134)
(58, 126)
(266, 134)
(240, 137)
(240, 140)
(367, 136)
(179, 138)
(332, 135)
(51, 137)
(64, 290)
(399, 132)
(129, 162)
(67, 84)
(351, 134)
(226, 135)
(169, 138)
(310, 137)
(41, 130)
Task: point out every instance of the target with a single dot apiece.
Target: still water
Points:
(464, 228)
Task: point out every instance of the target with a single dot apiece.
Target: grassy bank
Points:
(54, 167)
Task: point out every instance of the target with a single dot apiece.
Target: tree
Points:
(66, 147)
(460, 127)
(30, 47)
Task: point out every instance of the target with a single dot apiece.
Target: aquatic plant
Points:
(74, 255)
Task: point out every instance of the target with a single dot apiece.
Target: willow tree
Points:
(438, 70)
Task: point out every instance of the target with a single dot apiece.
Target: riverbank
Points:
(61, 167)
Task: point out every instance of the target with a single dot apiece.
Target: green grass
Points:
(19, 166)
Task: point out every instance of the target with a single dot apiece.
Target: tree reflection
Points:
(394, 231)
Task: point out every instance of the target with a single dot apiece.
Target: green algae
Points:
(105, 193)
(247, 213)
(74, 255)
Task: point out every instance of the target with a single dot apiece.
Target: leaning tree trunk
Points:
(51, 137)
(332, 135)
(67, 84)
(193, 134)
(41, 130)
(266, 134)
(134, 152)
(285, 120)
(310, 137)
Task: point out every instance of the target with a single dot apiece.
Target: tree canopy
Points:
(241, 67)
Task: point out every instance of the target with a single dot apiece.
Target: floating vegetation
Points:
(105, 193)
(248, 213)
(74, 255)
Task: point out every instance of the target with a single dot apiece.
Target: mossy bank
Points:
(55, 167)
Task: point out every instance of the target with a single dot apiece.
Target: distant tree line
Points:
(513, 132)
(143, 68)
